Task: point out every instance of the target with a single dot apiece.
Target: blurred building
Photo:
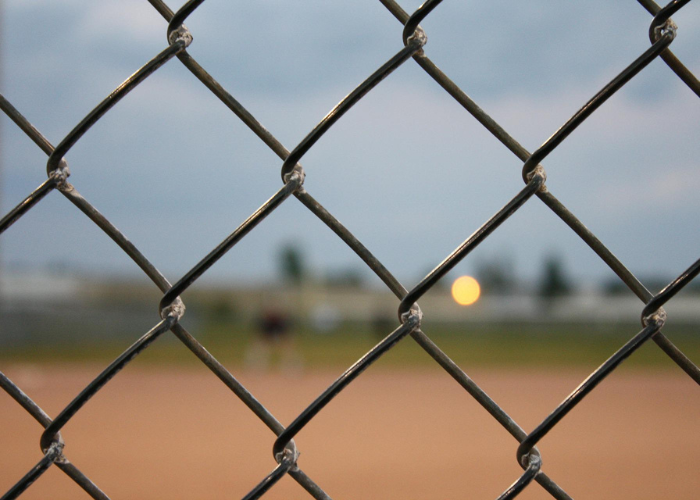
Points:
(64, 306)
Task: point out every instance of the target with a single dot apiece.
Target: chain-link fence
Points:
(662, 32)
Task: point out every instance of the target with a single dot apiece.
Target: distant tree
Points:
(496, 276)
(349, 277)
(615, 286)
(221, 310)
(292, 265)
(442, 284)
(554, 283)
(693, 287)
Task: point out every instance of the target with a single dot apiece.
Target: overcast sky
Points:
(407, 170)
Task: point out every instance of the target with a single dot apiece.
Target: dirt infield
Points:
(180, 434)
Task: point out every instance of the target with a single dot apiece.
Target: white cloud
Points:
(127, 20)
(28, 5)
(406, 155)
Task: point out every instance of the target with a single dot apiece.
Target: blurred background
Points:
(407, 170)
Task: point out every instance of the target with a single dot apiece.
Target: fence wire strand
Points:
(662, 32)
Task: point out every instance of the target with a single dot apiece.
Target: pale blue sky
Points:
(407, 170)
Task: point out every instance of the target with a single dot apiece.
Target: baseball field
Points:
(177, 432)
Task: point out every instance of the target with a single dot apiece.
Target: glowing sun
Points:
(466, 290)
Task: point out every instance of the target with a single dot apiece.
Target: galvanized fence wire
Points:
(662, 32)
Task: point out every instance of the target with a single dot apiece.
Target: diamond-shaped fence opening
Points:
(406, 327)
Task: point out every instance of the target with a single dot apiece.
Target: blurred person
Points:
(274, 339)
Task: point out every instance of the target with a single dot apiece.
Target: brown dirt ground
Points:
(400, 434)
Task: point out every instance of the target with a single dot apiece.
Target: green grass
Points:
(496, 345)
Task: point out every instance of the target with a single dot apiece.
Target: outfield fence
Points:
(662, 32)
